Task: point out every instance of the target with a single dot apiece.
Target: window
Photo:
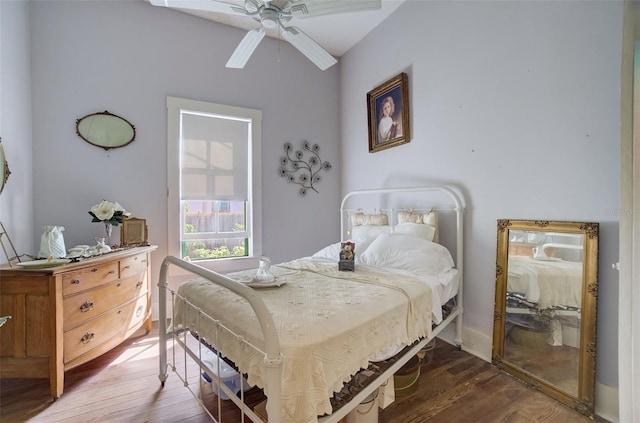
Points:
(213, 181)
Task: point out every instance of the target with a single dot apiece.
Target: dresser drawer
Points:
(98, 331)
(89, 304)
(140, 310)
(89, 277)
(133, 265)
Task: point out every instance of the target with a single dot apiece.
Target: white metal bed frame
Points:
(271, 350)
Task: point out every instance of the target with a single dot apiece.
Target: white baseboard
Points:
(607, 402)
(481, 346)
(474, 342)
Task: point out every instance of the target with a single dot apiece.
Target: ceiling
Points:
(335, 33)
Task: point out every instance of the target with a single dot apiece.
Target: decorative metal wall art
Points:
(303, 166)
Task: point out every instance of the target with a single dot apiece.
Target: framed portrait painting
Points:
(388, 110)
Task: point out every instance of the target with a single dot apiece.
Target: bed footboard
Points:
(272, 355)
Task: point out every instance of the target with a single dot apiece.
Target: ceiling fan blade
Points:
(308, 47)
(245, 49)
(309, 8)
(217, 6)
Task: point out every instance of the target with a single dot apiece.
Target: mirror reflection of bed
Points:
(544, 294)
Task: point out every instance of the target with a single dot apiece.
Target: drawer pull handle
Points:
(76, 281)
(86, 306)
(95, 269)
(139, 311)
(112, 272)
(139, 284)
(88, 337)
(127, 267)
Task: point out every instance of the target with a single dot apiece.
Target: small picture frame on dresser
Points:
(133, 232)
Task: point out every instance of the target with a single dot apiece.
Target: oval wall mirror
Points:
(4, 168)
(545, 311)
(105, 130)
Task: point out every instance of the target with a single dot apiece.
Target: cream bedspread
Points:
(329, 324)
(547, 283)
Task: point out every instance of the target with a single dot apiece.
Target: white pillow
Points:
(409, 253)
(367, 233)
(363, 236)
(331, 252)
(416, 229)
(428, 218)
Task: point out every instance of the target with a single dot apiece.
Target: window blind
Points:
(214, 157)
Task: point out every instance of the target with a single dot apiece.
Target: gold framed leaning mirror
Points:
(545, 307)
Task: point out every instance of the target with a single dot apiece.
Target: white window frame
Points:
(175, 106)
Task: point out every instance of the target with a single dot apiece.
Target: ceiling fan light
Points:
(269, 18)
(269, 22)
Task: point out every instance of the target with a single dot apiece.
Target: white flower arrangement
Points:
(108, 212)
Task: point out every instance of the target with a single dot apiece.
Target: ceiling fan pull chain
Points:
(279, 43)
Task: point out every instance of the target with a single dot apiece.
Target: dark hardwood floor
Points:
(123, 386)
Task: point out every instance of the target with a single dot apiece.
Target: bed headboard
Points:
(420, 199)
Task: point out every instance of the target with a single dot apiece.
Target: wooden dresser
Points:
(526, 249)
(67, 315)
(521, 248)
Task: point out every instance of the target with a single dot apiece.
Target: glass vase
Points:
(107, 233)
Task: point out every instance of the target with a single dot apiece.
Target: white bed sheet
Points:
(322, 347)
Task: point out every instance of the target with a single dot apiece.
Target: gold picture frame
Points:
(388, 111)
(134, 232)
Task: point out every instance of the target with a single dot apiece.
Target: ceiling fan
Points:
(276, 14)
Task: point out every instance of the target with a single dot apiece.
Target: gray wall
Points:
(16, 201)
(126, 57)
(517, 104)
